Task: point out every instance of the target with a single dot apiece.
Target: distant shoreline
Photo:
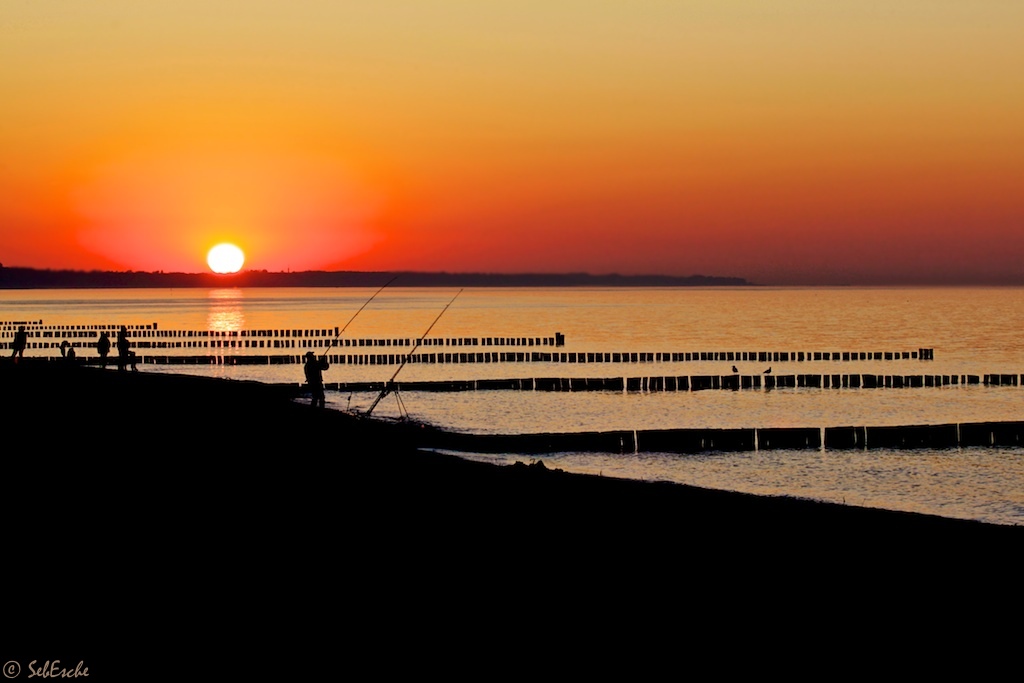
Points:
(32, 278)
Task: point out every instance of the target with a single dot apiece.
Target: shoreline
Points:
(221, 420)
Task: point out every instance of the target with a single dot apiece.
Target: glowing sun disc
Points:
(225, 258)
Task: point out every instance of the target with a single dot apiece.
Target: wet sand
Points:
(146, 496)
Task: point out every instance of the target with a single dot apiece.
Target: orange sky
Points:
(791, 142)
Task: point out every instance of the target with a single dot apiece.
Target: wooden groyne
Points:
(254, 350)
(226, 357)
(150, 336)
(689, 441)
(274, 346)
(691, 383)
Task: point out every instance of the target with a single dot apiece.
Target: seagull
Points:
(734, 369)
(768, 371)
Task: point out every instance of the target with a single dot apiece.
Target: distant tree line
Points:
(31, 278)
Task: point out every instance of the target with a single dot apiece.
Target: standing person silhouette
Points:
(123, 347)
(103, 347)
(19, 343)
(314, 370)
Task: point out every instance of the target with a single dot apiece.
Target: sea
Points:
(631, 334)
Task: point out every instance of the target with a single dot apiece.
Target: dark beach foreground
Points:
(150, 500)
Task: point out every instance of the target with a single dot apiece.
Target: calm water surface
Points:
(973, 331)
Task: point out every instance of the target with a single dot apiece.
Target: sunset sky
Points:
(786, 142)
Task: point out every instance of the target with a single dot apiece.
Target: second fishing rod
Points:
(389, 385)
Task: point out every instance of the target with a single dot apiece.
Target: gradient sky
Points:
(786, 142)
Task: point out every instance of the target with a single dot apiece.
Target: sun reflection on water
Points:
(226, 312)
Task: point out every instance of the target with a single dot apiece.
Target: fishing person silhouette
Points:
(314, 371)
(103, 348)
(123, 349)
(19, 343)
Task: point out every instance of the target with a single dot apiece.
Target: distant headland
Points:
(32, 278)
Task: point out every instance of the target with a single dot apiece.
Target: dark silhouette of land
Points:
(182, 508)
(31, 278)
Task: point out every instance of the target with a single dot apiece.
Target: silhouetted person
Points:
(19, 343)
(123, 348)
(103, 347)
(314, 370)
(66, 350)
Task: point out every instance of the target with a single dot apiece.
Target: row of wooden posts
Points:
(691, 383)
(507, 356)
(149, 336)
(944, 436)
(734, 381)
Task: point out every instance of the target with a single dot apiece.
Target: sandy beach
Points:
(148, 496)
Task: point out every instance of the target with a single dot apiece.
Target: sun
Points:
(225, 258)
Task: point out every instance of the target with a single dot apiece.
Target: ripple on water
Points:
(988, 487)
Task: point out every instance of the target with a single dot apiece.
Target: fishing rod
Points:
(342, 330)
(388, 386)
